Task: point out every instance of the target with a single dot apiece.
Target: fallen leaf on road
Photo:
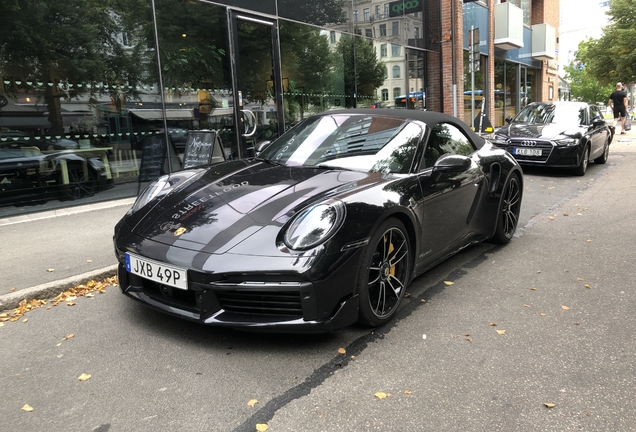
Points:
(342, 351)
(50, 270)
(538, 271)
(89, 261)
(501, 332)
(542, 314)
(589, 240)
(70, 303)
(564, 307)
(25, 320)
(469, 339)
(252, 403)
(261, 427)
(27, 408)
(550, 217)
(588, 286)
(492, 324)
(533, 289)
(84, 377)
(1, 324)
(526, 305)
(580, 279)
(565, 214)
(72, 335)
(549, 405)
(382, 395)
(408, 392)
(422, 301)
(449, 283)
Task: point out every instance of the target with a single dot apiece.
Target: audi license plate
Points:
(526, 151)
(157, 272)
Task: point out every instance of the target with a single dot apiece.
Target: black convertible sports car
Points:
(325, 227)
(557, 134)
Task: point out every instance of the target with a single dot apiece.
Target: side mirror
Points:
(261, 146)
(509, 120)
(450, 163)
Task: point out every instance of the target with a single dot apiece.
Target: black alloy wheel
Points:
(80, 184)
(509, 211)
(384, 274)
(585, 160)
(603, 158)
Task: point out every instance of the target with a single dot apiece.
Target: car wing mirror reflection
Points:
(261, 146)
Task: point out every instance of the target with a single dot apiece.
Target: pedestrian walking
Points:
(618, 103)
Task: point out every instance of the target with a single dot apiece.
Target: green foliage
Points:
(364, 75)
(612, 57)
(584, 86)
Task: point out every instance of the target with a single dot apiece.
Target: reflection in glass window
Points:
(383, 52)
(395, 28)
(396, 71)
(396, 50)
(446, 139)
(332, 37)
(386, 10)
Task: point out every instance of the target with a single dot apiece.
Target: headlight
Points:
(567, 142)
(163, 186)
(315, 225)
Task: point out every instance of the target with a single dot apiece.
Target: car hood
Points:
(546, 131)
(231, 202)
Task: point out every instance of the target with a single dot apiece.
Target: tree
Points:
(62, 44)
(363, 72)
(612, 57)
(583, 85)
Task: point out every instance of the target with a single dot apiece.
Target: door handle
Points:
(253, 131)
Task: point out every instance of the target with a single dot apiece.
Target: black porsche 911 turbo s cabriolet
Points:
(325, 227)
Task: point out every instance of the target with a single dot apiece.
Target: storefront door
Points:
(256, 81)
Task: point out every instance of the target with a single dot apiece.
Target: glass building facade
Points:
(87, 87)
(90, 90)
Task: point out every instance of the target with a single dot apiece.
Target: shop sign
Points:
(403, 7)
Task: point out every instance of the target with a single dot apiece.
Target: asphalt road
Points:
(441, 363)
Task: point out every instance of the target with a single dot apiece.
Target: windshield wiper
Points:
(269, 161)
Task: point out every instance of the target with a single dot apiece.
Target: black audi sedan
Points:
(557, 134)
(323, 228)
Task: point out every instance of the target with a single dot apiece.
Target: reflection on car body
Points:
(326, 227)
(557, 134)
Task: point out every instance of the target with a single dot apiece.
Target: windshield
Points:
(540, 113)
(356, 142)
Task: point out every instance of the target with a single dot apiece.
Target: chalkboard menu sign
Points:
(202, 148)
(154, 153)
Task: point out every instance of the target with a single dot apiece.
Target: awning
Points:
(157, 114)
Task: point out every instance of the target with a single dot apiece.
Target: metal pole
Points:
(163, 99)
(472, 77)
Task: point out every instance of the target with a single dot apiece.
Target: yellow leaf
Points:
(261, 427)
(89, 261)
(589, 240)
(4, 315)
(408, 392)
(1, 324)
(588, 286)
(72, 335)
(422, 301)
(542, 314)
(565, 214)
(549, 405)
(50, 270)
(381, 395)
(580, 279)
(526, 305)
(342, 351)
(538, 271)
(84, 377)
(406, 295)
(565, 307)
(533, 289)
(27, 408)
(252, 403)
(449, 283)
(492, 324)
(550, 217)
(501, 332)
(25, 320)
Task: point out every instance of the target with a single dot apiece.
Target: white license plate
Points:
(157, 271)
(527, 152)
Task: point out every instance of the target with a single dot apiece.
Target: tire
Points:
(80, 184)
(585, 160)
(603, 158)
(509, 209)
(384, 274)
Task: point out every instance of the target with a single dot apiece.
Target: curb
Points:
(52, 289)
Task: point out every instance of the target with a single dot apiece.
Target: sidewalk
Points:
(76, 244)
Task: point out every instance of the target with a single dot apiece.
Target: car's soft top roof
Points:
(431, 119)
